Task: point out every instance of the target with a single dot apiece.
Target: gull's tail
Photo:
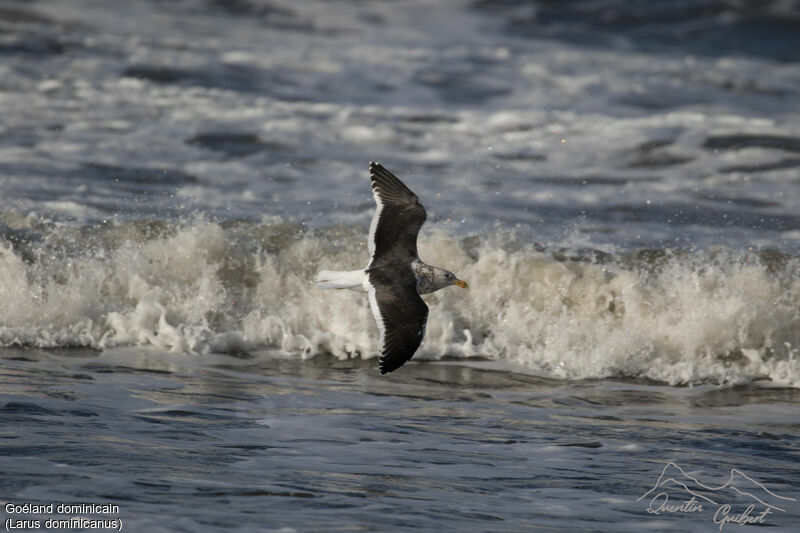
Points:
(348, 279)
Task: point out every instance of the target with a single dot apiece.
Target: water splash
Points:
(197, 286)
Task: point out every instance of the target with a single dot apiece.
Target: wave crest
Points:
(198, 285)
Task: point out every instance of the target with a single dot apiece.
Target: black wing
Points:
(400, 313)
(398, 217)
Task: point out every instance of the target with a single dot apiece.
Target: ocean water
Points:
(617, 181)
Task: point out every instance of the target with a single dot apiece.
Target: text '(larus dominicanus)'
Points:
(395, 277)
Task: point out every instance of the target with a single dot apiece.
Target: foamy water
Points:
(198, 286)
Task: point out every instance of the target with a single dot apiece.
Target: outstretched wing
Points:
(400, 313)
(398, 217)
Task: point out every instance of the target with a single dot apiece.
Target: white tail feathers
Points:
(348, 279)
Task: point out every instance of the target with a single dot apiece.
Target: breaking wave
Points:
(196, 285)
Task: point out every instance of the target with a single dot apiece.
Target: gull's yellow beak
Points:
(461, 283)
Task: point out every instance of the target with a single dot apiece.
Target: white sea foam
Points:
(198, 286)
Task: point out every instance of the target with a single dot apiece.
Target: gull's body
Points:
(395, 276)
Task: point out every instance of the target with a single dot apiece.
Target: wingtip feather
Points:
(384, 368)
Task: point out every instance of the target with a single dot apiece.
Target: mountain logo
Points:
(693, 496)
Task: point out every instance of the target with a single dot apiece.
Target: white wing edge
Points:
(373, 225)
(376, 313)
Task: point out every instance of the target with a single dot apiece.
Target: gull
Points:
(395, 277)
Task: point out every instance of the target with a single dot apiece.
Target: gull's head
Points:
(452, 279)
(431, 278)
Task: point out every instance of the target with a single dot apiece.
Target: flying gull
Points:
(395, 277)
